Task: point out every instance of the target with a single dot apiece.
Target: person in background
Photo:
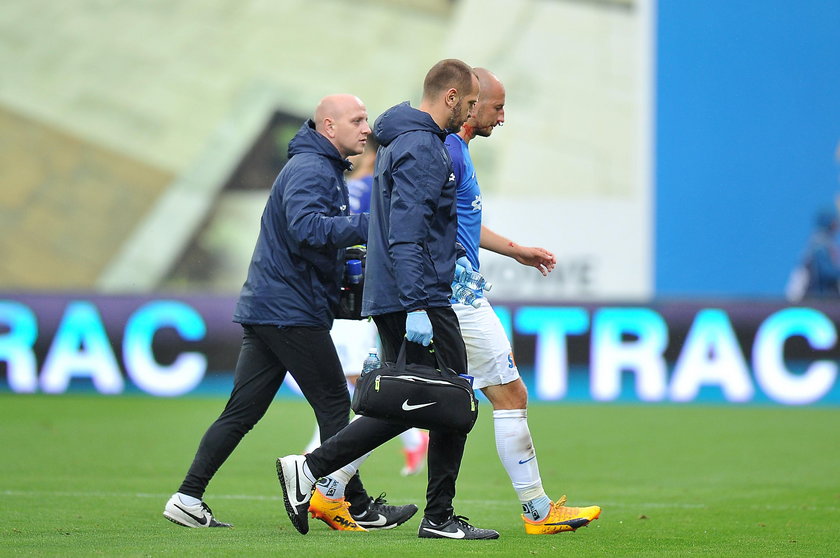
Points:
(821, 259)
(360, 177)
(489, 351)
(286, 309)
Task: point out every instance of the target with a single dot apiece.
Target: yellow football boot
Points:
(561, 518)
(334, 513)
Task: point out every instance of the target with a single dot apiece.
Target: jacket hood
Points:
(404, 118)
(307, 140)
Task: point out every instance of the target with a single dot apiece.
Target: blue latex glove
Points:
(462, 264)
(418, 328)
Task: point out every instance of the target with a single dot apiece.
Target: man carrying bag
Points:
(435, 398)
(410, 264)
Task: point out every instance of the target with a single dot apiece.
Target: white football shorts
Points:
(489, 355)
(353, 339)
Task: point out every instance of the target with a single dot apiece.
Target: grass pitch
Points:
(86, 475)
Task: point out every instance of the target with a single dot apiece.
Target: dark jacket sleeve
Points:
(418, 181)
(460, 251)
(312, 205)
(824, 265)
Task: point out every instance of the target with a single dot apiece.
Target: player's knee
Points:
(513, 395)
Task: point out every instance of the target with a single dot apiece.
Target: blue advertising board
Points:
(747, 126)
(678, 352)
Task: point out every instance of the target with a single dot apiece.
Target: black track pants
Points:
(364, 434)
(266, 354)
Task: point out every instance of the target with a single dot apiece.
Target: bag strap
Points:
(400, 364)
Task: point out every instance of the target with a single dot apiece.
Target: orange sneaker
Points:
(334, 513)
(561, 518)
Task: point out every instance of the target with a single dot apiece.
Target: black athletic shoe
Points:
(297, 490)
(455, 528)
(380, 515)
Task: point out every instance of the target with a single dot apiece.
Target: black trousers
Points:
(266, 354)
(364, 434)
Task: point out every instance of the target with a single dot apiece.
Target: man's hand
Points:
(418, 328)
(462, 264)
(539, 258)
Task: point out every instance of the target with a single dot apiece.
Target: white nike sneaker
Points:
(198, 515)
(456, 527)
(297, 490)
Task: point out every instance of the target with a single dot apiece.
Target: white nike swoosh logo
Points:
(456, 535)
(379, 522)
(406, 406)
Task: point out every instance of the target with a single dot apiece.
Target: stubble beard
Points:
(456, 119)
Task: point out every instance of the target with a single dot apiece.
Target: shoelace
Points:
(562, 510)
(462, 521)
(206, 508)
(378, 503)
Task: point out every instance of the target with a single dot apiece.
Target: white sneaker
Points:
(198, 515)
(297, 490)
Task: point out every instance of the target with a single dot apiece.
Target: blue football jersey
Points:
(469, 197)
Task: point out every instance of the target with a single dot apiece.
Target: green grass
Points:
(88, 475)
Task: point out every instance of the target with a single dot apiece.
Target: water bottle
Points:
(465, 295)
(475, 281)
(353, 272)
(372, 361)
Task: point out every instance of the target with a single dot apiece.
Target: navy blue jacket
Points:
(822, 260)
(413, 221)
(298, 263)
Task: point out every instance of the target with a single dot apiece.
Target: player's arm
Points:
(533, 256)
(310, 208)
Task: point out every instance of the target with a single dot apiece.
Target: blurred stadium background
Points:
(671, 154)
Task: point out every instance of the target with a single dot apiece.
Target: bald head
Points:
(334, 107)
(343, 120)
(489, 111)
(488, 81)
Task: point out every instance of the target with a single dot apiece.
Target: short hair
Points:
(447, 74)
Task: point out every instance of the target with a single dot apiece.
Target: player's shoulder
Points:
(416, 145)
(455, 143)
(305, 163)
(455, 146)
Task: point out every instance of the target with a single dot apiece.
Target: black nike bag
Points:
(417, 395)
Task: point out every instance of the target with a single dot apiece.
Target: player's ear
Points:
(451, 97)
(329, 127)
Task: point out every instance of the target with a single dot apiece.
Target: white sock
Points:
(307, 472)
(188, 500)
(332, 486)
(537, 509)
(516, 451)
(315, 442)
(411, 439)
